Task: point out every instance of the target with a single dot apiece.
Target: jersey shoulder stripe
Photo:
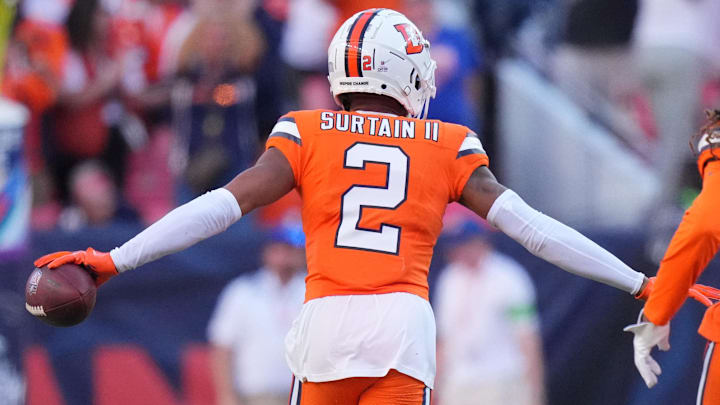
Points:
(470, 145)
(287, 128)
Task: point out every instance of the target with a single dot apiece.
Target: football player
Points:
(375, 179)
(693, 245)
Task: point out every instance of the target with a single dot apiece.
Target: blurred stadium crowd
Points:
(137, 106)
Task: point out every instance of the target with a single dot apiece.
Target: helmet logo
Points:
(412, 37)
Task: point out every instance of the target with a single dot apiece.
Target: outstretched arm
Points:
(264, 183)
(545, 237)
(199, 219)
(694, 244)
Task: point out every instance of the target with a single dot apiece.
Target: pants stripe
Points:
(427, 394)
(292, 388)
(296, 392)
(706, 367)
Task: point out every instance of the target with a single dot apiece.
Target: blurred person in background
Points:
(592, 61)
(214, 97)
(32, 76)
(458, 77)
(143, 29)
(489, 345)
(94, 198)
(498, 21)
(308, 30)
(252, 317)
(677, 49)
(84, 123)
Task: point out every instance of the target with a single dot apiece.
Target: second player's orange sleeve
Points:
(692, 247)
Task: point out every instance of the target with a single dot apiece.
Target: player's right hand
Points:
(45, 260)
(647, 336)
(99, 264)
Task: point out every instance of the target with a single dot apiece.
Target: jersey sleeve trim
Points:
(470, 145)
(288, 129)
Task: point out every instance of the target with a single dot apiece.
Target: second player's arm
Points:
(693, 245)
(545, 237)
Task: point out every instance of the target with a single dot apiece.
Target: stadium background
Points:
(573, 148)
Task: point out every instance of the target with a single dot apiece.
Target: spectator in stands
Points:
(32, 76)
(489, 349)
(251, 320)
(499, 20)
(458, 81)
(95, 199)
(214, 102)
(144, 30)
(592, 63)
(84, 123)
(308, 31)
(677, 49)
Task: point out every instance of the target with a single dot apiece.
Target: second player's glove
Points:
(99, 264)
(647, 336)
(645, 291)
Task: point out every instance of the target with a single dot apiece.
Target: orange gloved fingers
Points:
(70, 257)
(100, 264)
(710, 292)
(644, 293)
(699, 296)
(44, 260)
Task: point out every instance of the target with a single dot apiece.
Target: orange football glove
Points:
(99, 264)
(644, 293)
(706, 295)
(45, 260)
(699, 296)
(710, 292)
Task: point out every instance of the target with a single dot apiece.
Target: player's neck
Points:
(376, 103)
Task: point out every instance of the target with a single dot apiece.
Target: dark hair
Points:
(80, 22)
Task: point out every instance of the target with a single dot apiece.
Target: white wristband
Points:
(199, 219)
(559, 244)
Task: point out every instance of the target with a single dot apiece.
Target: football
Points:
(64, 296)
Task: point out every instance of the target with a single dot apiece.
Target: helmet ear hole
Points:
(417, 82)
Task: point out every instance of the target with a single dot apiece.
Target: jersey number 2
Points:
(356, 198)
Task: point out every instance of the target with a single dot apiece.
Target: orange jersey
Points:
(374, 190)
(694, 244)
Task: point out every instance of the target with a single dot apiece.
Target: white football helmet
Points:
(380, 51)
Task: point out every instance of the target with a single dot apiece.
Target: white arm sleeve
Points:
(559, 244)
(199, 219)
